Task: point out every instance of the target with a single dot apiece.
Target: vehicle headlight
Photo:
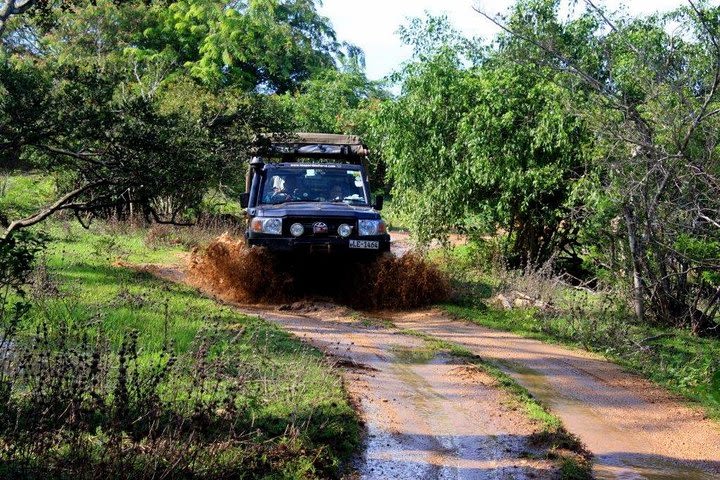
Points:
(370, 227)
(296, 229)
(272, 226)
(344, 230)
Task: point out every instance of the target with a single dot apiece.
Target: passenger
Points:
(336, 193)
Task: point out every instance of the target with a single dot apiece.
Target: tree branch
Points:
(570, 65)
(12, 7)
(156, 217)
(60, 204)
(84, 156)
(716, 80)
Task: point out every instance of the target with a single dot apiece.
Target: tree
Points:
(270, 45)
(332, 100)
(339, 101)
(139, 112)
(654, 85)
(483, 148)
(112, 151)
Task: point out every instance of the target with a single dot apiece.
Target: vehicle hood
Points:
(315, 209)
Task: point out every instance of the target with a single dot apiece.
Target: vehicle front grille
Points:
(307, 222)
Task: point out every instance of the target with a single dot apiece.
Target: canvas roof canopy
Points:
(310, 144)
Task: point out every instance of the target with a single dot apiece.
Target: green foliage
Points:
(17, 259)
(201, 382)
(269, 44)
(704, 252)
(482, 149)
(23, 102)
(332, 102)
(86, 105)
(524, 153)
(158, 103)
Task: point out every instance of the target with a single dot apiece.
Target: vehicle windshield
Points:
(313, 184)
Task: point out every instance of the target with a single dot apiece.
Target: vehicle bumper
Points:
(319, 245)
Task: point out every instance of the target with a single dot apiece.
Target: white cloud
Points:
(371, 24)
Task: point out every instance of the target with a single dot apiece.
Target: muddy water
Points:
(426, 433)
(634, 429)
(427, 416)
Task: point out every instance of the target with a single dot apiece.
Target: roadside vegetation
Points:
(544, 306)
(112, 370)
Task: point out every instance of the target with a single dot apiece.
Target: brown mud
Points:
(253, 275)
(427, 416)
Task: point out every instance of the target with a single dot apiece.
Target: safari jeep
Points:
(308, 193)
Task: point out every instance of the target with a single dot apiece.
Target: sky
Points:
(371, 24)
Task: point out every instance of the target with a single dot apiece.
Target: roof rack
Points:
(290, 146)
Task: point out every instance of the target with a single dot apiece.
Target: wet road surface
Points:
(633, 428)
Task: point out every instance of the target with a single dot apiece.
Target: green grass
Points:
(22, 195)
(673, 358)
(291, 385)
(573, 458)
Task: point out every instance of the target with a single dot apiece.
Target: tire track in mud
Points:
(436, 418)
(634, 429)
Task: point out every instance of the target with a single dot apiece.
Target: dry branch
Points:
(61, 204)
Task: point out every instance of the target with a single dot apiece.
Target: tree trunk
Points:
(636, 254)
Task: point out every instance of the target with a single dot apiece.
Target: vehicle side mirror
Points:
(244, 199)
(379, 201)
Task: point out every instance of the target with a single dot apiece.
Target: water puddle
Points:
(413, 355)
(401, 454)
(613, 448)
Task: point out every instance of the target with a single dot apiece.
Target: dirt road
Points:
(427, 416)
(633, 428)
(438, 418)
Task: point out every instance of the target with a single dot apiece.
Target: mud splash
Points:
(232, 270)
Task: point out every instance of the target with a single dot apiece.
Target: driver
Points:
(291, 187)
(336, 192)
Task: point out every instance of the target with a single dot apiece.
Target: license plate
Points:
(366, 244)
